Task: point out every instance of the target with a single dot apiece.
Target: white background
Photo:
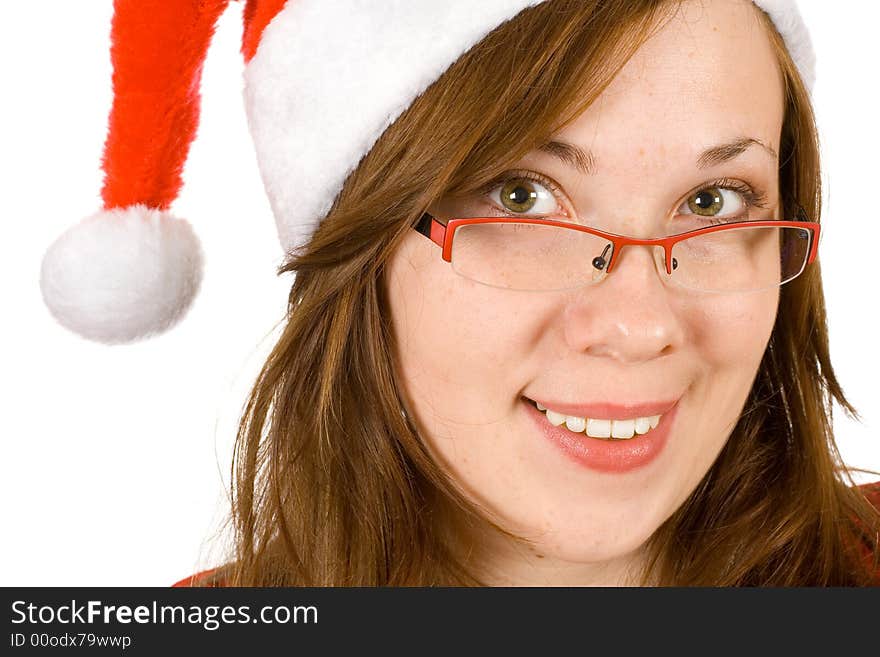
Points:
(115, 460)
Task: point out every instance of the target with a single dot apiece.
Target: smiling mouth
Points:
(601, 428)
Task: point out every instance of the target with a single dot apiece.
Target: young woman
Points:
(549, 398)
(642, 119)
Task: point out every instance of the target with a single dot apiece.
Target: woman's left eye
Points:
(715, 202)
(521, 194)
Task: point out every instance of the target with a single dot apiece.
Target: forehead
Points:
(708, 73)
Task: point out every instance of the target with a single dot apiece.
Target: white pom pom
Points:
(122, 275)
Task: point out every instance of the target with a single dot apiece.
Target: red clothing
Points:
(871, 491)
(192, 579)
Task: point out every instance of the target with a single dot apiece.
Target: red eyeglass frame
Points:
(442, 235)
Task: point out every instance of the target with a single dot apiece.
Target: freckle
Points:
(641, 152)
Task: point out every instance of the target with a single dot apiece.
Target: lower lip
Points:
(607, 455)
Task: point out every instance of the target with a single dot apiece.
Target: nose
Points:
(628, 315)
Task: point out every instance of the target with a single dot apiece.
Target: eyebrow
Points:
(573, 156)
(585, 162)
(725, 152)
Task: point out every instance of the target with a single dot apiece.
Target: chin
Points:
(593, 541)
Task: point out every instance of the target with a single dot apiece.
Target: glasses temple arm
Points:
(428, 226)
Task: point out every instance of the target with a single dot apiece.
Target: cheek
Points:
(729, 340)
(731, 332)
(459, 345)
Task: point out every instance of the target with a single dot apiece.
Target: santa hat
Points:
(132, 269)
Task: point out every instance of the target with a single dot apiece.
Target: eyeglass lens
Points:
(536, 257)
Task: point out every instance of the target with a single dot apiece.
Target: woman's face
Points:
(629, 346)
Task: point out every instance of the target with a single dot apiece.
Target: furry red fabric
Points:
(158, 49)
(257, 15)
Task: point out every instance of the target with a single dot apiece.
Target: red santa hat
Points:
(132, 269)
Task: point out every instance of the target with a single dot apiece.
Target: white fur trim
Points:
(122, 275)
(329, 76)
(789, 23)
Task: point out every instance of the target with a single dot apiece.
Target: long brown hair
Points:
(332, 484)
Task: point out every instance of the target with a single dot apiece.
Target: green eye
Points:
(707, 202)
(518, 195)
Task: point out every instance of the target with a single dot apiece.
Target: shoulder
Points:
(200, 579)
(870, 539)
(872, 493)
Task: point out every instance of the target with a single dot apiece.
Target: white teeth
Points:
(555, 418)
(621, 429)
(576, 424)
(599, 428)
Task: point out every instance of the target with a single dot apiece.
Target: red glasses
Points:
(547, 254)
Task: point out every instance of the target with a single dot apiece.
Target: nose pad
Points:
(601, 261)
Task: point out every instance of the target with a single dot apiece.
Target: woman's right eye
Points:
(524, 195)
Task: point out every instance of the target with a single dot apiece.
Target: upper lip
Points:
(608, 410)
